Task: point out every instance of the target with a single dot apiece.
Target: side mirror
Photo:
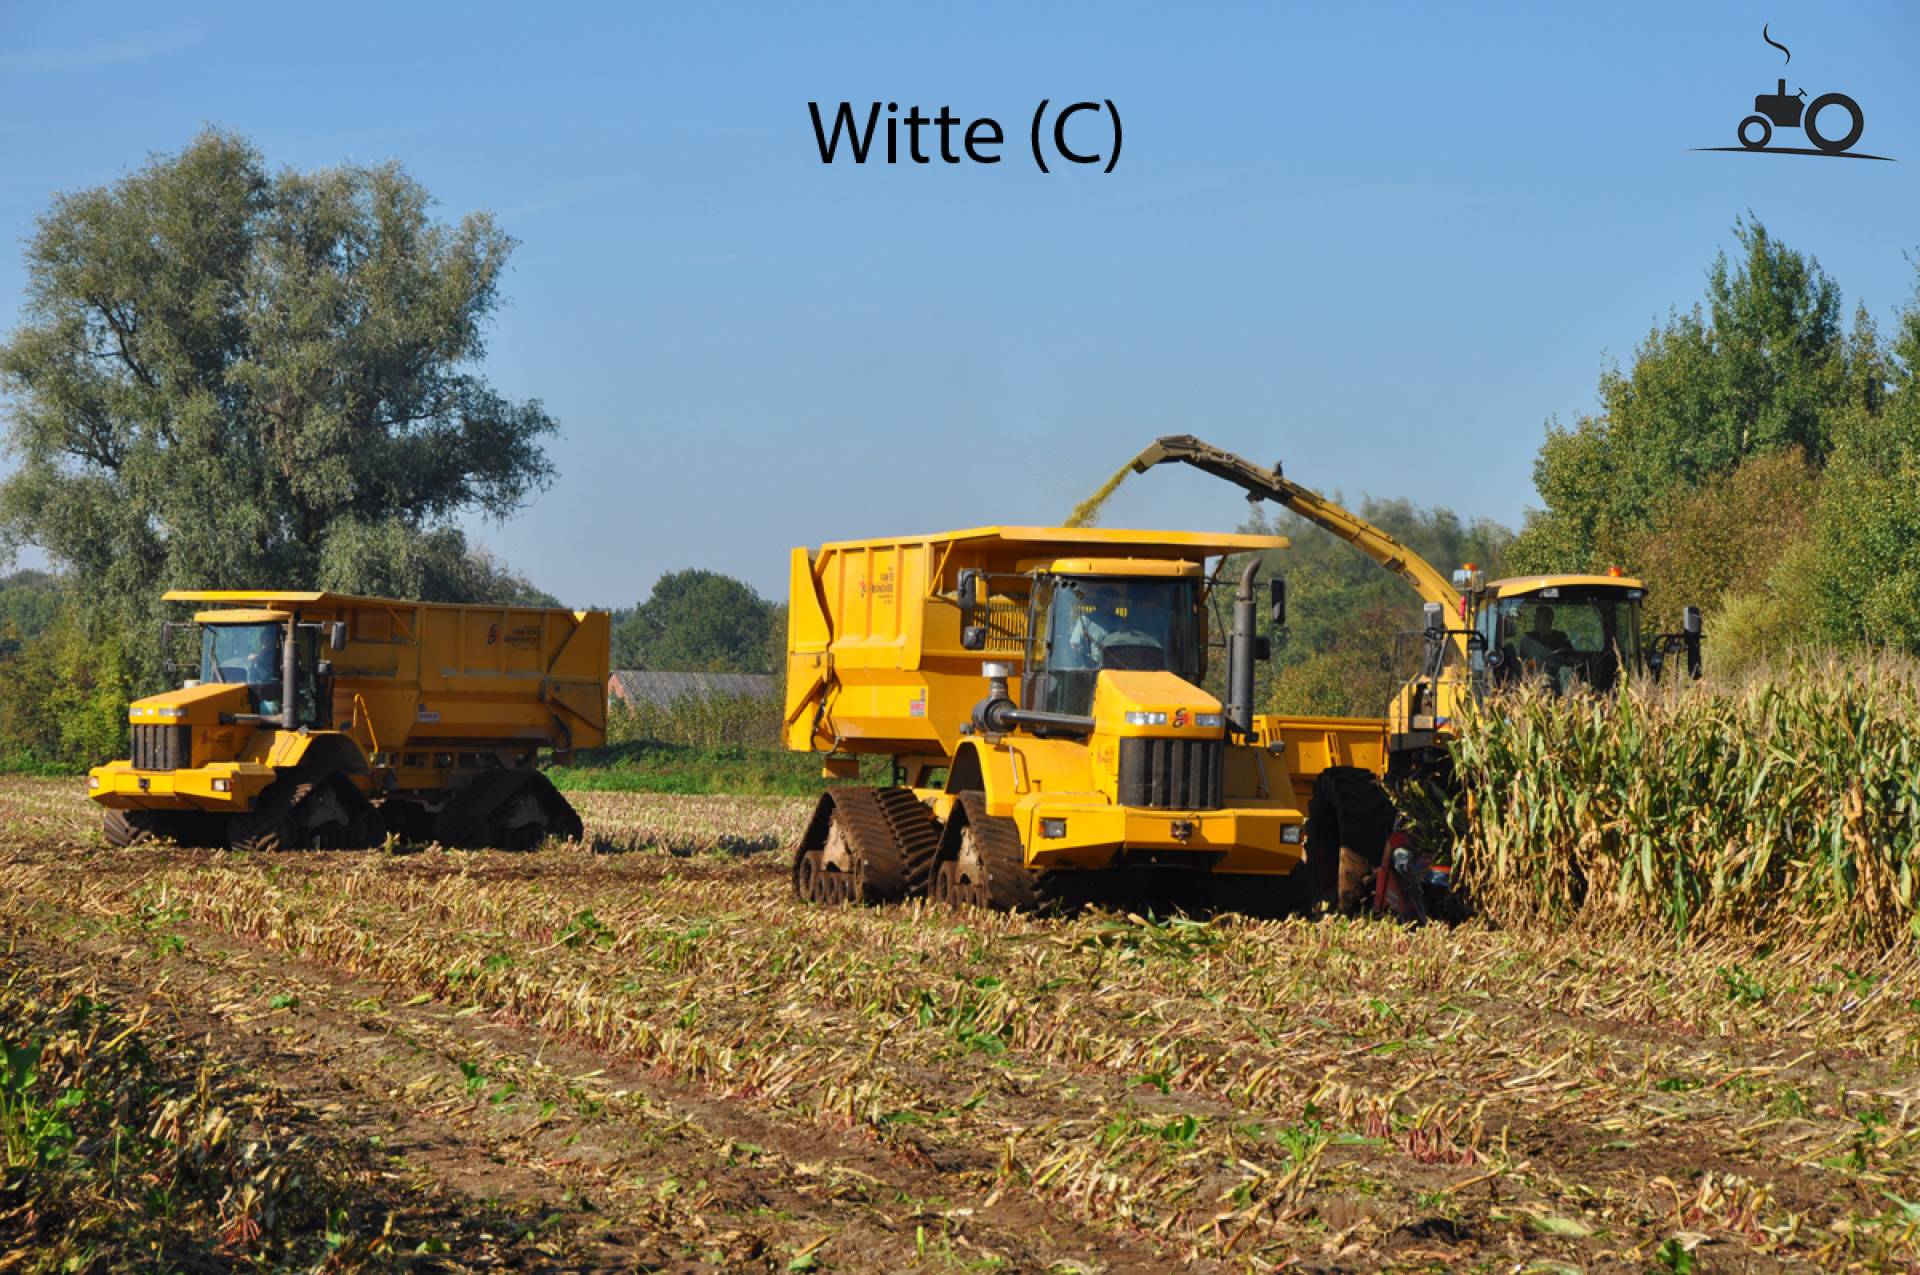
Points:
(1277, 601)
(337, 635)
(1436, 619)
(974, 637)
(1690, 621)
(323, 670)
(1262, 648)
(969, 593)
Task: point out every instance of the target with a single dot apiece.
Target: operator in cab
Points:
(1543, 641)
(1105, 615)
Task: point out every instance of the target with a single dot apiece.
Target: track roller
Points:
(508, 810)
(983, 864)
(865, 845)
(304, 810)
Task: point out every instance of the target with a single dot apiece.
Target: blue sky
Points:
(1381, 242)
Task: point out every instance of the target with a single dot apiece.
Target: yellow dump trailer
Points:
(325, 719)
(1039, 691)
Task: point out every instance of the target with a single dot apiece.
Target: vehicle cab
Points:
(1562, 631)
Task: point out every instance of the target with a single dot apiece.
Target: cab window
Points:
(1086, 624)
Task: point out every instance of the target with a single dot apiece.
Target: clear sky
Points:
(1381, 242)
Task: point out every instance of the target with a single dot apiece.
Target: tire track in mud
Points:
(634, 1168)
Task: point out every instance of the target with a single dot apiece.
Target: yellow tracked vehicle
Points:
(1039, 693)
(325, 720)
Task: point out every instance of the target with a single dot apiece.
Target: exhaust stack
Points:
(1242, 646)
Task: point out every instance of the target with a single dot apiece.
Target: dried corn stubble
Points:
(1232, 1092)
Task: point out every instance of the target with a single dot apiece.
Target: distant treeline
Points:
(1758, 456)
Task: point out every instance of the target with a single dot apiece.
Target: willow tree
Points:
(232, 376)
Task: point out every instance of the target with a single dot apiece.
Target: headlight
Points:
(1215, 720)
(1290, 833)
(1053, 829)
(223, 785)
(93, 781)
(171, 712)
(1140, 717)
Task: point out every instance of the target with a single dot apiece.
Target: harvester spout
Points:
(1153, 455)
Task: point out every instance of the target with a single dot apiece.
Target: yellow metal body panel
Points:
(244, 758)
(1248, 837)
(242, 615)
(1027, 780)
(1148, 567)
(1515, 586)
(119, 786)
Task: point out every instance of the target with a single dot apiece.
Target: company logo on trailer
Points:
(1833, 122)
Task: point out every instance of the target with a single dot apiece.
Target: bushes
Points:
(63, 696)
(698, 745)
(1788, 803)
(704, 720)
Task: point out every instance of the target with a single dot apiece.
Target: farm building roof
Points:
(637, 686)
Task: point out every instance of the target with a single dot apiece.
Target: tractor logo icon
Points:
(1779, 108)
(1833, 122)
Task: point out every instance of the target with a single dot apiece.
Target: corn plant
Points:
(1788, 801)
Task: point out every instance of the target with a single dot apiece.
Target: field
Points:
(647, 1055)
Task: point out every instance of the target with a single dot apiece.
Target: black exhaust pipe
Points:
(1242, 645)
(289, 671)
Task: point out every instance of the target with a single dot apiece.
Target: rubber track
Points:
(881, 870)
(268, 827)
(129, 827)
(915, 831)
(1011, 885)
(463, 821)
(366, 828)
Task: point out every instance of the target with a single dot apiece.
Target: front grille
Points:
(162, 747)
(1172, 774)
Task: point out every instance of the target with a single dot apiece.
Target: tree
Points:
(1763, 366)
(701, 621)
(390, 559)
(30, 601)
(1725, 536)
(231, 377)
(1867, 571)
(1346, 614)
